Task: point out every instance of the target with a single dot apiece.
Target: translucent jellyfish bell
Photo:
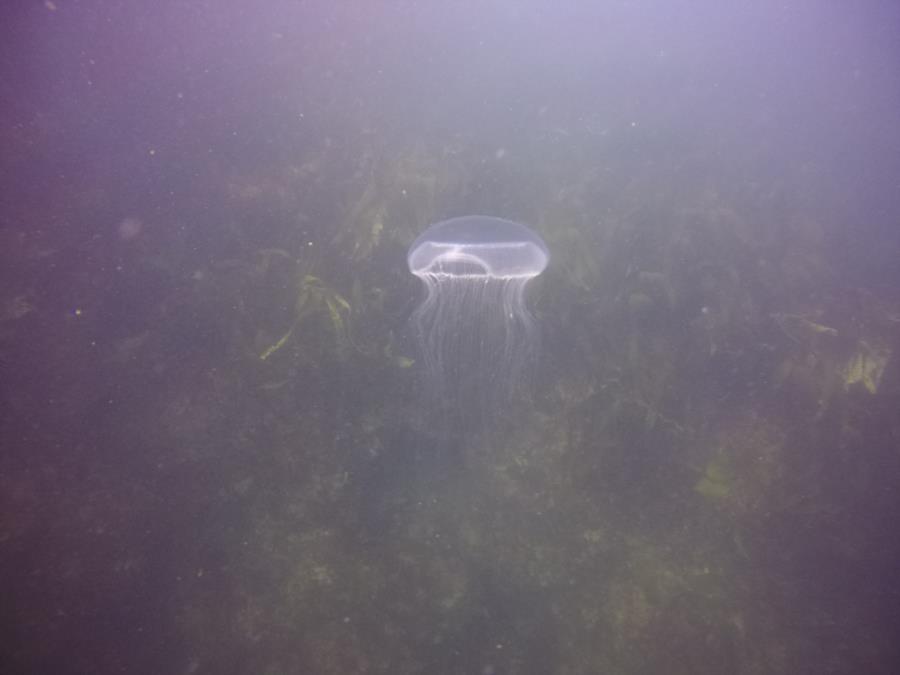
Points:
(477, 339)
(478, 246)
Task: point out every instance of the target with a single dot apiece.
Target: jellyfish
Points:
(477, 339)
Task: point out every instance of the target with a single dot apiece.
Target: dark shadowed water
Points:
(219, 449)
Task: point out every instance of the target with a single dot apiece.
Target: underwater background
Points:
(214, 452)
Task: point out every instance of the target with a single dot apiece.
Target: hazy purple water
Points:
(706, 480)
